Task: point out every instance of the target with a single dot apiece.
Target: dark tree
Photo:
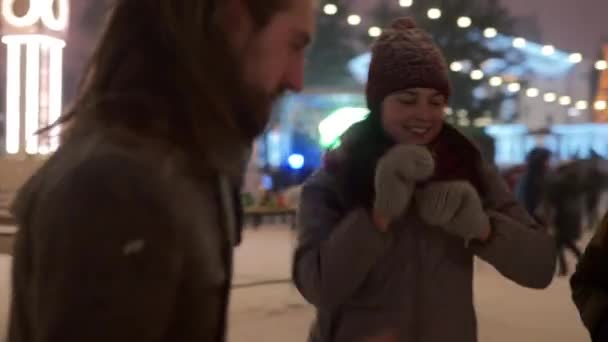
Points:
(333, 48)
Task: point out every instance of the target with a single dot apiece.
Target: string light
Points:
(582, 105)
(548, 50)
(434, 13)
(456, 66)
(575, 58)
(476, 75)
(565, 100)
(550, 97)
(519, 43)
(490, 32)
(600, 105)
(354, 20)
(532, 92)
(495, 81)
(601, 65)
(514, 87)
(375, 31)
(464, 22)
(330, 9)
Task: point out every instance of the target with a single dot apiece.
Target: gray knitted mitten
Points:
(396, 175)
(454, 206)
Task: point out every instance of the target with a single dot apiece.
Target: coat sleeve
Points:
(518, 248)
(335, 252)
(105, 267)
(590, 282)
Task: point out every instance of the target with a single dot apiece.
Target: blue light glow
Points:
(296, 161)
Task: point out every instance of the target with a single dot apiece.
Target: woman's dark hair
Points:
(355, 162)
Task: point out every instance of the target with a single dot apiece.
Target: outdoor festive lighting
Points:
(434, 13)
(456, 66)
(565, 100)
(490, 32)
(550, 97)
(532, 92)
(601, 65)
(374, 31)
(514, 87)
(38, 10)
(548, 50)
(575, 58)
(581, 105)
(354, 20)
(332, 127)
(519, 43)
(296, 161)
(600, 105)
(34, 72)
(330, 9)
(476, 75)
(496, 81)
(464, 22)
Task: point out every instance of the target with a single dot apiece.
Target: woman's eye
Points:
(407, 101)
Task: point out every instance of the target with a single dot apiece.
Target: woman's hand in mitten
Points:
(396, 175)
(456, 207)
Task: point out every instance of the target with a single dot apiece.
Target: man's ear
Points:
(234, 19)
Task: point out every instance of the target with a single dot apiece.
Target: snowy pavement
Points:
(276, 313)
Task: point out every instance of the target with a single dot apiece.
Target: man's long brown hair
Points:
(164, 67)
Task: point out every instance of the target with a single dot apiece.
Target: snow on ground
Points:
(276, 313)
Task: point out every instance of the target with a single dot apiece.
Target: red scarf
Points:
(456, 158)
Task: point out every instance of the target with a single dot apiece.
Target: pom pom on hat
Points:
(405, 23)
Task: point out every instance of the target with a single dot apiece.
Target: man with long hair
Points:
(127, 232)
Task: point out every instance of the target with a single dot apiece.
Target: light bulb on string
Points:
(514, 87)
(476, 75)
(496, 81)
(601, 65)
(519, 43)
(532, 92)
(548, 50)
(354, 20)
(464, 22)
(374, 31)
(550, 97)
(456, 66)
(330, 9)
(581, 105)
(575, 58)
(490, 32)
(434, 13)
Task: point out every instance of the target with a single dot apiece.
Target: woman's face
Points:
(413, 116)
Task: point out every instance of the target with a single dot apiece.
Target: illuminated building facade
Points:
(34, 33)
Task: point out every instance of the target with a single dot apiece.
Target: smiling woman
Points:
(390, 225)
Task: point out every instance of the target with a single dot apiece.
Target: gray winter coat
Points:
(123, 241)
(414, 283)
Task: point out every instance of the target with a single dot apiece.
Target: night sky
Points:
(573, 25)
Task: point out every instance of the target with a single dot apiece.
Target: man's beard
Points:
(254, 108)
